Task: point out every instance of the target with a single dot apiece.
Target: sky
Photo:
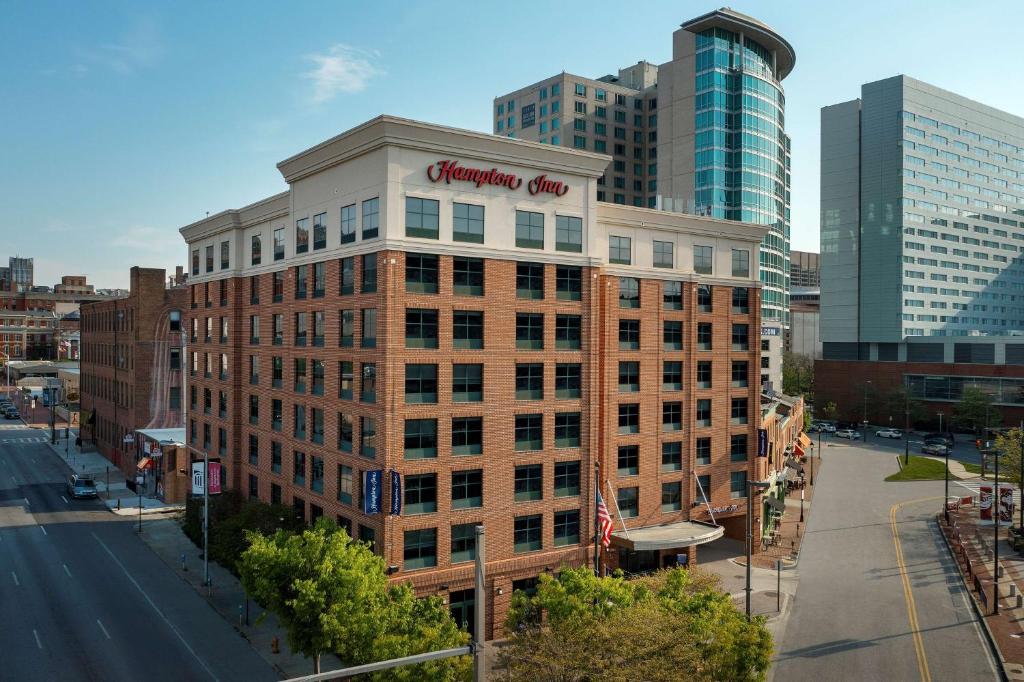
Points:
(120, 122)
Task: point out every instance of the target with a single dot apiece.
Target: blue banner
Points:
(762, 442)
(372, 491)
(396, 493)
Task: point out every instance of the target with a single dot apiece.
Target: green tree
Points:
(331, 594)
(829, 411)
(975, 411)
(673, 625)
(1008, 445)
(797, 374)
(895, 404)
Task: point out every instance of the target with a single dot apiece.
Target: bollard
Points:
(275, 646)
(1020, 601)
(183, 566)
(241, 615)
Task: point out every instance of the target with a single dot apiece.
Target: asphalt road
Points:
(857, 600)
(82, 598)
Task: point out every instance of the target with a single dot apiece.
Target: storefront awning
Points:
(795, 466)
(669, 536)
(144, 463)
(798, 450)
(804, 440)
(775, 504)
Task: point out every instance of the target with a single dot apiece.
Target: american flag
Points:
(604, 521)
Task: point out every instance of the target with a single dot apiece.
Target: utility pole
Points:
(479, 610)
(939, 415)
(751, 487)
(597, 541)
(1020, 432)
(906, 430)
(997, 507)
(206, 518)
(945, 500)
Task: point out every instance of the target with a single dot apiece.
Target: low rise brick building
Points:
(131, 358)
(433, 329)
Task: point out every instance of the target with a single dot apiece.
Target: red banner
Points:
(215, 470)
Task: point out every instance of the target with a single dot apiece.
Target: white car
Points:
(847, 433)
(889, 433)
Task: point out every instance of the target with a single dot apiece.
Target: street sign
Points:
(129, 438)
(140, 480)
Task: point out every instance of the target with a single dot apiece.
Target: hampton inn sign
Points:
(448, 170)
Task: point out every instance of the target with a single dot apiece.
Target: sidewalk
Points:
(956, 469)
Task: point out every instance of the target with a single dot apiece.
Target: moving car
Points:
(889, 433)
(80, 486)
(935, 449)
(826, 427)
(847, 433)
(12, 413)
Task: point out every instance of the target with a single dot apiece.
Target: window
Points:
(567, 332)
(369, 328)
(467, 383)
(195, 262)
(567, 381)
(468, 276)
(581, 90)
(529, 230)
(738, 407)
(672, 295)
(317, 425)
(738, 448)
(345, 432)
(420, 384)
(567, 479)
(702, 259)
(629, 502)
(704, 304)
(672, 416)
(278, 286)
(301, 328)
(629, 334)
(420, 438)
(619, 250)
(348, 224)
(526, 534)
(529, 483)
(371, 218)
(529, 331)
(704, 336)
(629, 460)
(347, 328)
(629, 418)
(420, 328)
(419, 549)
(277, 371)
(368, 437)
(348, 276)
(345, 380)
(275, 457)
(737, 484)
(468, 223)
(741, 300)
(209, 258)
(420, 494)
(299, 468)
(741, 337)
(704, 412)
(368, 391)
(299, 421)
(254, 409)
(672, 375)
(320, 324)
(316, 474)
(254, 369)
(254, 449)
(254, 329)
(568, 282)
(421, 273)
(740, 263)
(672, 335)
(629, 377)
(300, 375)
(529, 280)
(629, 292)
(672, 456)
(467, 436)
(463, 542)
(568, 233)
(319, 231)
(567, 528)
(739, 373)
(279, 244)
(663, 257)
(529, 432)
(302, 235)
(421, 218)
(567, 429)
(529, 381)
(467, 329)
(672, 496)
(369, 273)
(467, 489)
(256, 250)
(345, 484)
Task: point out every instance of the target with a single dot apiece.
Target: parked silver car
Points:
(848, 433)
(889, 433)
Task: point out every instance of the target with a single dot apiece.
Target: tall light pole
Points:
(866, 384)
(906, 429)
(751, 487)
(1020, 432)
(939, 415)
(945, 500)
(996, 505)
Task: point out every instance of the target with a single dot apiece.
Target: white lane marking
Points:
(102, 628)
(44, 530)
(65, 499)
(15, 576)
(155, 607)
(66, 569)
(27, 503)
(39, 642)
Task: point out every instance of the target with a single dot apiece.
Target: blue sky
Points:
(121, 122)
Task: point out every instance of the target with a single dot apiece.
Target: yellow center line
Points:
(915, 628)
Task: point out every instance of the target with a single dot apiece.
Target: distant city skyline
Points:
(135, 122)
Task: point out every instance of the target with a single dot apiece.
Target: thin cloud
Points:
(147, 239)
(342, 70)
(138, 48)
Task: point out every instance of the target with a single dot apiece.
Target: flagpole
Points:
(618, 511)
(597, 544)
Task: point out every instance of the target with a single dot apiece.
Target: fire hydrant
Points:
(275, 646)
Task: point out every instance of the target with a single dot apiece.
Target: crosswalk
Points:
(35, 439)
(974, 486)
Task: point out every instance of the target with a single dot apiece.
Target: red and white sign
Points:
(215, 470)
(448, 170)
(199, 480)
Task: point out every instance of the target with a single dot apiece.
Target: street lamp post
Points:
(866, 384)
(996, 506)
(801, 505)
(751, 487)
(906, 433)
(1020, 432)
(945, 500)
(939, 415)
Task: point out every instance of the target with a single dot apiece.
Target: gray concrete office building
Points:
(922, 220)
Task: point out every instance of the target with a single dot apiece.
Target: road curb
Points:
(989, 638)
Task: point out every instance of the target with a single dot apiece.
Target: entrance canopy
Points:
(668, 536)
(804, 440)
